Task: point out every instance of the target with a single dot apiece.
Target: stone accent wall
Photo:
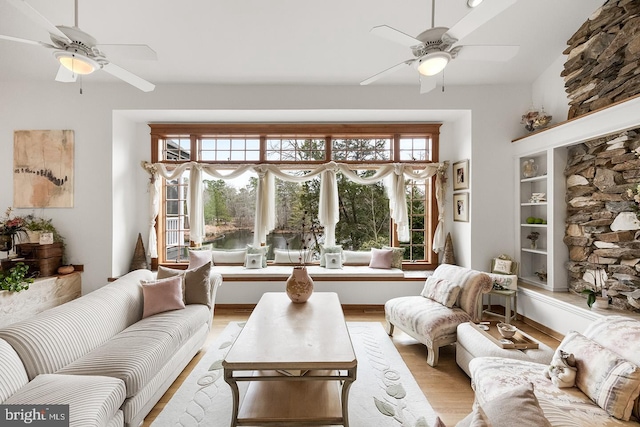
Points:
(602, 227)
(603, 64)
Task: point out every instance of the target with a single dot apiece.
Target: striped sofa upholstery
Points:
(432, 323)
(97, 354)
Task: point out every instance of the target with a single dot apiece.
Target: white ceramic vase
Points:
(299, 285)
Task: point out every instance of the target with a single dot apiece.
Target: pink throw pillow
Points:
(161, 295)
(381, 258)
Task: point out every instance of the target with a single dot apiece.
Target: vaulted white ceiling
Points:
(288, 41)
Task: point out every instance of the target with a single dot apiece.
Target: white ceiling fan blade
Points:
(19, 40)
(478, 17)
(394, 35)
(427, 84)
(65, 75)
(385, 72)
(129, 77)
(37, 17)
(487, 53)
(129, 51)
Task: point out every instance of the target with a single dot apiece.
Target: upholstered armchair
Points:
(450, 297)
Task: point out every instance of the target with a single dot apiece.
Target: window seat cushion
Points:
(284, 271)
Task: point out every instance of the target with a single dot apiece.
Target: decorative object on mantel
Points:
(10, 227)
(139, 259)
(534, 119)
(533, 237)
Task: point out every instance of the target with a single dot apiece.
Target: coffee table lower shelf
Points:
(313, 399)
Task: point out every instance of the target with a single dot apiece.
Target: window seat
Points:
(278, 272)
(355, 285)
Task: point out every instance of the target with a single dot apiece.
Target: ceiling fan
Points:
(434, 48)
(79, 53)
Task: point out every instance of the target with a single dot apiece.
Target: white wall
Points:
(548, 91)
(109, 121)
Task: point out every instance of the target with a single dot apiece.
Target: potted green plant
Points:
(15, 279)
(37, 225)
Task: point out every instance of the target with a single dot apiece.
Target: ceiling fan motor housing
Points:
(433, 40)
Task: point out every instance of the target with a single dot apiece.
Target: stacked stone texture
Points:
(603, 64)
(602, 228)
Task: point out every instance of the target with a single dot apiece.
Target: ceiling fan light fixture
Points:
(473, 3)
(433, 63)
(76, 62)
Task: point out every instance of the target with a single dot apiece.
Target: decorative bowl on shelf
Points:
(506, 330)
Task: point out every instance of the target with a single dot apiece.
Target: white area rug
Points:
(384, 393)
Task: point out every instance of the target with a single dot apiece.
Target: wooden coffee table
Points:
(298, 359)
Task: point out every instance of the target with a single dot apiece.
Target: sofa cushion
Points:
(493, 376)
(161, 295)
(333, 261)
(12, 373)
(441, 291)
(43, 342)
(93, 400)
(507, 410)
(136, 354)
(424, 317)
(609, 380)
(196, 282)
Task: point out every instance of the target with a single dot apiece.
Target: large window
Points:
(229, 204)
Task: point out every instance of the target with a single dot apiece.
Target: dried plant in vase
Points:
(533, 237)
(299, 284)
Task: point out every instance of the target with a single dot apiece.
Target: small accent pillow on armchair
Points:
(161, 295)
(441, 290)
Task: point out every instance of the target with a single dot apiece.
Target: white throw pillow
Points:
(356, 257)
(333, 260)
(292, 257)
(254, 261)
(228, 257)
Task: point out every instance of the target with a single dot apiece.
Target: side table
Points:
(507, 294)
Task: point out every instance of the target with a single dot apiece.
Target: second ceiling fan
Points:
(434, 48)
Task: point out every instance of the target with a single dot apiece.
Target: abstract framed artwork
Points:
(461, 175)
(43, 168)
(461, 207)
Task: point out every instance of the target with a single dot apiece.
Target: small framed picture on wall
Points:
(461, 207)
(461, 175)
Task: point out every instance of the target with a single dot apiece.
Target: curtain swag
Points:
(392, 175)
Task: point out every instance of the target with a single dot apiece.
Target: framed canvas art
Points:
(461, 175)
(461, 207)
(43, 168)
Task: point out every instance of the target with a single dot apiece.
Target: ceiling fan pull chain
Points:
(443, 80)
(80, 85)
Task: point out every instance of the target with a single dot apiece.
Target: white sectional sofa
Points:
(607, 385)
(99, 355)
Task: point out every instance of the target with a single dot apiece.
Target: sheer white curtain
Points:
(328, 214)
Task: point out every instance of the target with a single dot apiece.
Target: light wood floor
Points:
(446, 386)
